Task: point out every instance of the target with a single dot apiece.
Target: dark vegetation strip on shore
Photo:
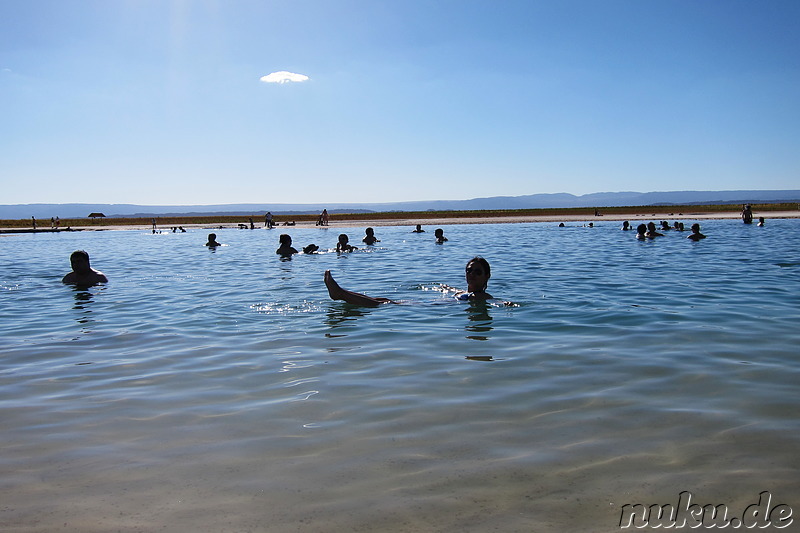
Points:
(258, 218)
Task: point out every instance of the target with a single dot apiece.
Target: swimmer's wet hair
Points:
(80, 253)
(482, 262)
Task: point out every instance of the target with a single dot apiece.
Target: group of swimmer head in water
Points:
(84, 275)
(648, 231)
(477, 270)
(342, 245)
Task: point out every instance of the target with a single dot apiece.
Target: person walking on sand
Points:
(82, 274)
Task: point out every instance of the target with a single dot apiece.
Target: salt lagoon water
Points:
(222, 390)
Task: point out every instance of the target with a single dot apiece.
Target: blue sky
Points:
(162, 102)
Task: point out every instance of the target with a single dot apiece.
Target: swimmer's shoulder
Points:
(473, 296)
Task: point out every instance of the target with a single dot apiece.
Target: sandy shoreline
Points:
(435, 221)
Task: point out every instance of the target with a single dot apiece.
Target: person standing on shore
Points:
(33, 219)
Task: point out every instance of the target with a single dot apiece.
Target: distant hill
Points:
(532, 201)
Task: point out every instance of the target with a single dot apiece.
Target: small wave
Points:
(271, 308)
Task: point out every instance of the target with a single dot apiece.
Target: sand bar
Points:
(342, 221)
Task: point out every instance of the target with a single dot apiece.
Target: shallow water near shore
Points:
(222, 390)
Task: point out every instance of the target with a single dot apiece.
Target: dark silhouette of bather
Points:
(285, 248)
(651, 231)
(343, 244)
(212, 241)
(82, 273)
(370, 238)
(696, 235)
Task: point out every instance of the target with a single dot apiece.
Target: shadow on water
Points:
(480, 321)
(83, 302)
(341, 317)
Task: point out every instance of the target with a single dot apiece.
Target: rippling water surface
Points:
(222, 390)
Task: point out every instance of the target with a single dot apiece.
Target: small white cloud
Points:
(283, 77)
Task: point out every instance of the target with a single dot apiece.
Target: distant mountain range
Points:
(531, 201)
